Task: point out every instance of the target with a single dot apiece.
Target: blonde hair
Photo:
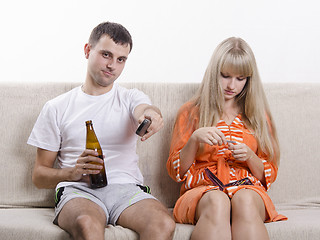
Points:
(234, 55)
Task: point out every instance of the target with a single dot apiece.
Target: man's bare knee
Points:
(153, 221)
(86, 226)
(162, 225)
(83, 219)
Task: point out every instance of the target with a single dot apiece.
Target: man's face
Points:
(106, 61)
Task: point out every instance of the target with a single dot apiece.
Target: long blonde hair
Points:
(235, 54)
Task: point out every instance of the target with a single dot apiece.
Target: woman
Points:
(226, 133)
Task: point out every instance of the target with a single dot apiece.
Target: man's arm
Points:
(151, 112)
(46, 176)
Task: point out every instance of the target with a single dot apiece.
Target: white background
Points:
(42, 41)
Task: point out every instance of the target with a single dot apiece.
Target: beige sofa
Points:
(27, 212)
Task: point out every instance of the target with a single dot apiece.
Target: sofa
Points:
(27, 212)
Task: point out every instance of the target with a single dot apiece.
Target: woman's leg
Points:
(213, 217)
(248, 216)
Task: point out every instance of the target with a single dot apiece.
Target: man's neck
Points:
(95, 89)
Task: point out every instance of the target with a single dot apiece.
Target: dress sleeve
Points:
(183, 129)
(270, 168)
(270, 171)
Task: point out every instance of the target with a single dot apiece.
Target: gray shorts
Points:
(113, 198)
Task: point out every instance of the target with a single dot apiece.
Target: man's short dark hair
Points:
(118, 33)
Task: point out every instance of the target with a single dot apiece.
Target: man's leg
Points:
(149, 218)
(83, 219)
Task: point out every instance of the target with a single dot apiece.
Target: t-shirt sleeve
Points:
(45, 133)
(137, 97)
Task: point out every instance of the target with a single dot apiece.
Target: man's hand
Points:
(46, 176)
(87, 163)
(152, 113)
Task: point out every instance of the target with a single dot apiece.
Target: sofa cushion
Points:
(24, 224)
(302, 223)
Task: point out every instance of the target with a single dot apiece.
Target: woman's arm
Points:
(206, 135)
(241, 152)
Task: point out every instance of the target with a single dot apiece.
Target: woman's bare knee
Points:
(248, 215)
(248, 205)
(213, 216)
(213, 204)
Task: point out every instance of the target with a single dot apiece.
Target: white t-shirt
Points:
(61, 128)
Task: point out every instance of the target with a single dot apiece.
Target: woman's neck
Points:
(230, 111)
(231, 106)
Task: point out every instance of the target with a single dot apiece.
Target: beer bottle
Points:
(100, 179)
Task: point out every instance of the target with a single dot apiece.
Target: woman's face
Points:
(232, 84)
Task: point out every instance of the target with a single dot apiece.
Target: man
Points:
(115, 112)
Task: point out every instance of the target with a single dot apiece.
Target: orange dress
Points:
(219, 160)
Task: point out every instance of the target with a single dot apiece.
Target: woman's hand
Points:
(241, 152)
(209, 135)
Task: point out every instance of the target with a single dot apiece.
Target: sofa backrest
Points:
(295, 107)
